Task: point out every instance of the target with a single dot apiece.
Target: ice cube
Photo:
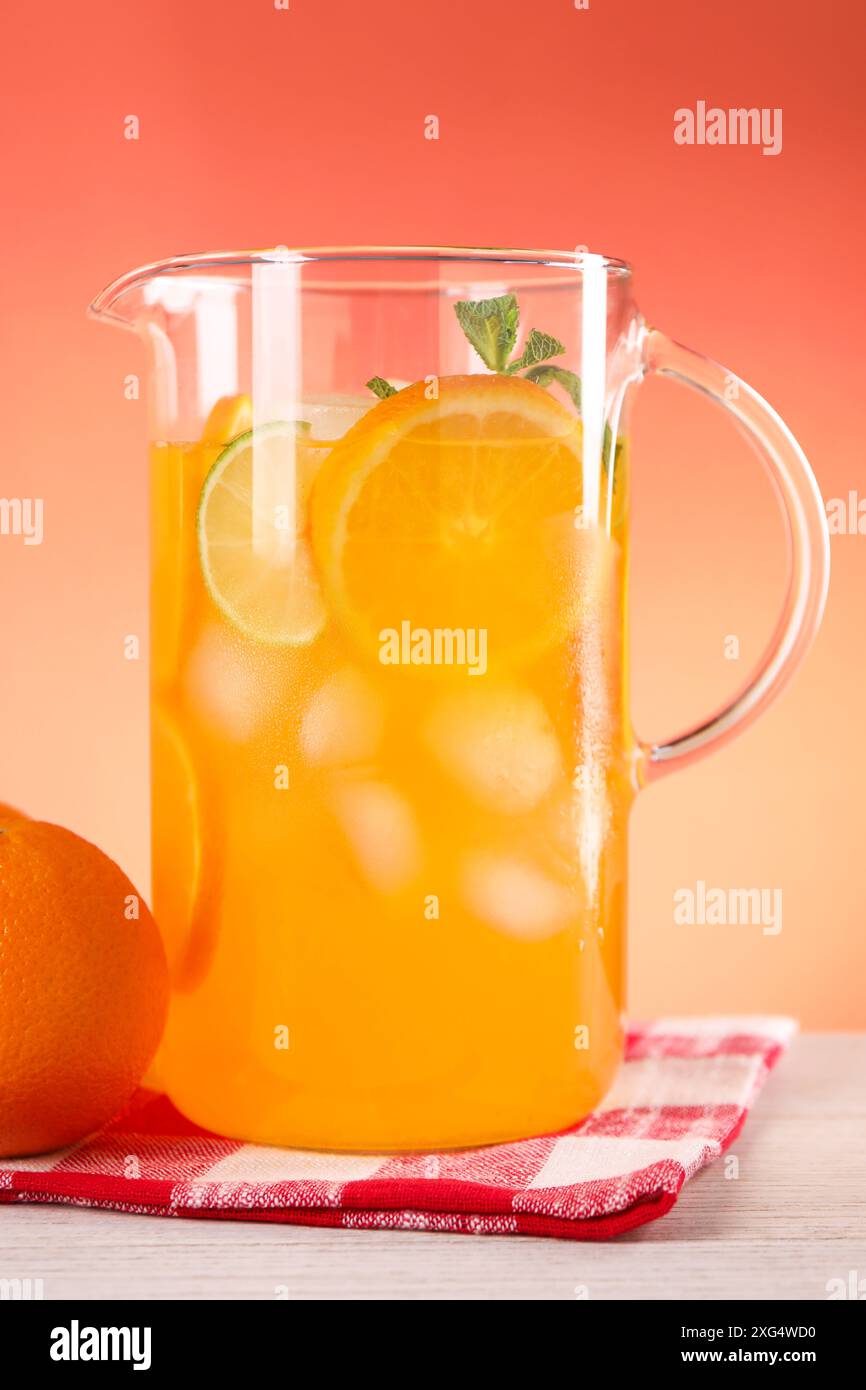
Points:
(515, 897)
(330, 416)
(499, 744)
(382, 832)
(343, 722)
(231, 684)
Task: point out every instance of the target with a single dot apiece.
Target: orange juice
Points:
(391, 769)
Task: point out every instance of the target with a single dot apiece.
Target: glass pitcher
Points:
(392, 761)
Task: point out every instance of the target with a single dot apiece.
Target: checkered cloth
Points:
(680, 1099)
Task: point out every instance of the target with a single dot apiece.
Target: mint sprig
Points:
(494, 321)
(491, 327)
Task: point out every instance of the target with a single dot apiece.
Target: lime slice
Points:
(256, 561)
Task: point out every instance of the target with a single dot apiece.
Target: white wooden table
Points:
(794, 1219)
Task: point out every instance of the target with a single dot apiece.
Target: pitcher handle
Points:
(808, 551)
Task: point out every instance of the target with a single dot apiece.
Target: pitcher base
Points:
(359, 1125)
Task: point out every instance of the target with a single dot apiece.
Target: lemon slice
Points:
(455, 513)
(255, 559)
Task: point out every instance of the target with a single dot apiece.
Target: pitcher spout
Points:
(191, 313)
(174, 284)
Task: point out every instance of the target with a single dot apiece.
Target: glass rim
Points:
(196, 262)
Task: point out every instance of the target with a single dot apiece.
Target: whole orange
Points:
(83, 987)
(9, 813)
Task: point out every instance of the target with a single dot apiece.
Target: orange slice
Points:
(456, 513)
(229, 417)
(185, 912)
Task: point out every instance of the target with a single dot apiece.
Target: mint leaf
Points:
(547, 375)
(537, 348)
(381, 388)
(491, 327)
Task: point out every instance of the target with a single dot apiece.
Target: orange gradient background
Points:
(305, 126)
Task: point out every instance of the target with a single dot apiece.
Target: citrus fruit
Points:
(229, 417)
(454, 513)
(83, 988)
(255, 559)
(185, 898)
(175, 834)
(9, 814)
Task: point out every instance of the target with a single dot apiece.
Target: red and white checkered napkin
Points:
(679, 1100)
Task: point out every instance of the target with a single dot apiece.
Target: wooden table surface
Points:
(794, 1219)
